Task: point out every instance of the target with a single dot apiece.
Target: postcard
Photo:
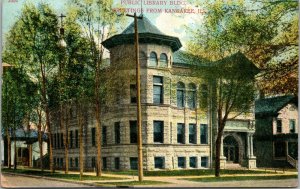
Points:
(149, 93)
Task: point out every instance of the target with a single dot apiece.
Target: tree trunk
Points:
(221, 125)
(66, 138)
(99, 141)
(40, 139)
(15, 149)
(98, 109)
(8, 148)
(47, 112)
(218, 152)
(80, 124)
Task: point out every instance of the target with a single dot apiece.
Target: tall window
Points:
(71, 162)
(117, 133)
(158, 131)
(163, 60)
(133, 131)
(203, 134)
(204, 90)
(180, 133)
(134, 163)
(62, 140)
(180, 95)
(292, 125)
(192, 134)
(76, 138)
(278, 125)
(153, 59)
(181, 162)
(117, 163)
(104, 135)
(159, 162)
(132, 93)
(93, 162)
(192, 96)
(71, 139)
(58, 140)
(157, 89)
(61, 162)
(93, 131)
(104, 163)
(193, 162)
(204, 95)
(204, 161)
(76, 162)
(54, 141)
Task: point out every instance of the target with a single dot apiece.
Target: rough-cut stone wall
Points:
(168, 112)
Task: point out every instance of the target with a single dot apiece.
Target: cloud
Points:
(175, 24)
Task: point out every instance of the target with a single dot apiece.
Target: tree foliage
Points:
(229, 93)
(265, 31)
(18, 98)
(32, 45)
(98, 22)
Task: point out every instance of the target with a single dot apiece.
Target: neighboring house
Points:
(27, 148)
(276, 136)
(176, 132)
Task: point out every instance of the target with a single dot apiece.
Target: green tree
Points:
(265, 31)
(18, 97)
(73, 80)
(33, 42)
(227, 33)
(98, 22)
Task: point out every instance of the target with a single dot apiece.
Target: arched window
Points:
(153, 59)
(143, 55)
(203, 96)
(163, 60)
(204, 90)
(180, 95)
(191, 95)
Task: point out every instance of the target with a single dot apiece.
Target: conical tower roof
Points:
(148, 33)
(144, 26)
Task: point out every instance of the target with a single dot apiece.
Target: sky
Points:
(168, 23)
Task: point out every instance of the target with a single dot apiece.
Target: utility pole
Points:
(138, 95)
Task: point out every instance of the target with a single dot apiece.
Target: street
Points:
(13, 181)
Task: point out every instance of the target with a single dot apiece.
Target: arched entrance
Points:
(231, 149)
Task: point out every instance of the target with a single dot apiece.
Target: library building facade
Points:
(176, 132)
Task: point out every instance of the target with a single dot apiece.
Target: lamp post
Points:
(62, 42)
(138, 95)
(63, 45)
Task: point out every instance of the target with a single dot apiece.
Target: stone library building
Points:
(176, 132)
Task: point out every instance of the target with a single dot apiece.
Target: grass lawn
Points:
(241, 178)
(131, 183)
(191, 172)
(59, 175)
(129, 172)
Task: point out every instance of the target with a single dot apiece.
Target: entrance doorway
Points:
(231, 149)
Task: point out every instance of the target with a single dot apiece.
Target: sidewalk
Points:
(176, 181)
